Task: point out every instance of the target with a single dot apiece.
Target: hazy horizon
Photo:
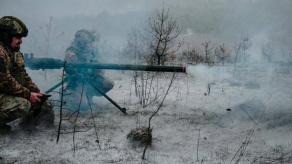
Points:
(226, 21)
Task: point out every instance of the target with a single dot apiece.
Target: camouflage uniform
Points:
(12, 108)
(82, 51)
(15, 84)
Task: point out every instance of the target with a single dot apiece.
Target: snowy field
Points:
(211, 115)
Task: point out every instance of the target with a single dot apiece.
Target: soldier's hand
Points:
(35, 97)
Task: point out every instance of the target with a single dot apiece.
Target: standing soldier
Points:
(19, 96)
(83, 50)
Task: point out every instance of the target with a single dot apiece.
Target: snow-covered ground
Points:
(245, 117)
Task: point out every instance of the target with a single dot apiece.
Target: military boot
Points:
(41, 115)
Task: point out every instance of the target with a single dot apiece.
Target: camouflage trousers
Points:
(12, 108)
(75, 87)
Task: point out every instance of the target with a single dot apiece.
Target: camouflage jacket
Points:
(74, 55)
(13, 77)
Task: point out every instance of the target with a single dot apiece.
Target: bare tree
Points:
(222, 54)
(164, 30)
(207, 51)
(137, 47)
(192, 55)
(155, 46)
(267, 52)
(240, 50)
(47, 31)
(246, 44)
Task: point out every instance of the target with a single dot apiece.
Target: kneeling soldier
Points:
(19, 96)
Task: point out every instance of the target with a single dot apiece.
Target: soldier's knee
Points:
(109, 85)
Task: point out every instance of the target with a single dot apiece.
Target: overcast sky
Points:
(266, 19)
(254, 12)
(59, 8)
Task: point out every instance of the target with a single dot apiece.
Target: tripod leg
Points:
(55, 86)
(124, 110)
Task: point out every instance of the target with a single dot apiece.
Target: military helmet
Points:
(84, 36)
(13, 26)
